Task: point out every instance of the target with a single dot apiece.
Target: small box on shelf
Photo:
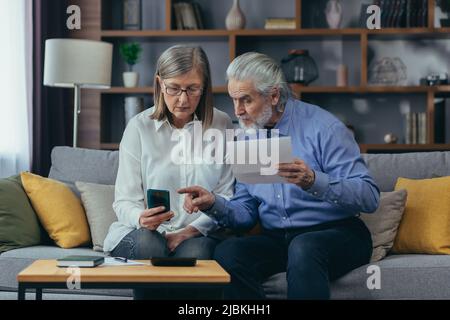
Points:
(280, 23)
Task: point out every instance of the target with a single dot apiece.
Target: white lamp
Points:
(74, 63)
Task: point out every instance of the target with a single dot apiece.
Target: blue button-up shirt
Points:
(342, 186)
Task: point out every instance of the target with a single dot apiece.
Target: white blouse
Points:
(145, 162)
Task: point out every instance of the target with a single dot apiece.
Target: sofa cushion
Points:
(97, 201)
(48, 252)
(19, 225)
(425, 224)
(58, 209)
(78, 164)
(100, 166)
(383, 223)
(401, 277)
(386, 168)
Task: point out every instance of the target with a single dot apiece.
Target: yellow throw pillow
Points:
(58, 209)
(425, 226)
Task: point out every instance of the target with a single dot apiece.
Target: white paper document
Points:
(255, 161)
(110, 261)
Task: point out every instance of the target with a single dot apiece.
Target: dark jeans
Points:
(142, 244)
(311, 257)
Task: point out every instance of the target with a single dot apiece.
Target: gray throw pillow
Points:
(383, 223)
(97, 200)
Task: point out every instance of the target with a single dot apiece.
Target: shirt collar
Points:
(283, 124)
(159, 123)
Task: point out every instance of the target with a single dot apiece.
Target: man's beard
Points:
(260, 121)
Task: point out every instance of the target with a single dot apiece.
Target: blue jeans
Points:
(142, 244)
(310, 256)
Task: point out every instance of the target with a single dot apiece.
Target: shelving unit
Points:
(101, 27)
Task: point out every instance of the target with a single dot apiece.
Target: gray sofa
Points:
(402, 276)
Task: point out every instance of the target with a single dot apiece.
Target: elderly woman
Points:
(183, 95)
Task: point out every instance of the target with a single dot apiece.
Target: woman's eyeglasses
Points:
(190, 91)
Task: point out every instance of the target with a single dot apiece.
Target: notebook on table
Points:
(80, 261)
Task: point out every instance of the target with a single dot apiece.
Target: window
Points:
(15, 86)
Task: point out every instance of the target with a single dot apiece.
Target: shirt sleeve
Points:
(129, 195)
(240, 212)
(344, 180)
(204, 224)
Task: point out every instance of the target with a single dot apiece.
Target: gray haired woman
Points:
(183, 95)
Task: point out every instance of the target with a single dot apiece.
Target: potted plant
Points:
(130, 52)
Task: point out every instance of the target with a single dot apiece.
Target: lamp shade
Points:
(70, 62)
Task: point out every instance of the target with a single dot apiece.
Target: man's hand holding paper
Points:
(268, 161)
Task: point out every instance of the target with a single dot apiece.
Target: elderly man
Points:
(310, 225)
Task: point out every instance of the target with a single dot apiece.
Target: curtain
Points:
(15, 86)
(51, 106)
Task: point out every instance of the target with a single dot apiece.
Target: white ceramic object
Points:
(235, 18)
(130, 79)
(333, 13)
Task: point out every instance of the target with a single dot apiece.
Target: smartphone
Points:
(158, 198)
(173, 262)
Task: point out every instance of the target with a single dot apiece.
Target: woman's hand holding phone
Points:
(152, 218)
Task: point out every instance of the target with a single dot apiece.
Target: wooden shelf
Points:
(123, 90)
(149, 90)
(271, 32)
(306, 89)
(100, 14)
(163, 33)
(369, 89)
(403, 147)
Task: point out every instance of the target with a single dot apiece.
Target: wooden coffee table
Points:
(44, 274)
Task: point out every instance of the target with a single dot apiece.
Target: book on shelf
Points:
(198, 15)
(187, 16)
(422, 127)
(439, 120)
(80, 261)
(416, 128)
(280, 23)
(403, 13)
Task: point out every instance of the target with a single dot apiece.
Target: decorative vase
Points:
(133, 106)
(130, 79)
(299, 67)
(333, 13)
(235, 18)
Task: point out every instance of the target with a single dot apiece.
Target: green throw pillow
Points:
(19, 225)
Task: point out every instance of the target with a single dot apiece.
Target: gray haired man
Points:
(310, 227)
